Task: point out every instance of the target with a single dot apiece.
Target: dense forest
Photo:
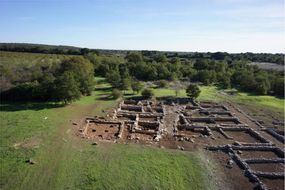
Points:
(72, 76)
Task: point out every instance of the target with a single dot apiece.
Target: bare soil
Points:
(102, 131)
(268, 167)
(246, 154)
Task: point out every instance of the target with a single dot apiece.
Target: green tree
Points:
(262, 83)
(278, 87)
(161, 83)
(201, 64)
(47, 86)
(116, 93)
(83, 73)
(125, 84)
(136, 86)
(161, 58)
(193, 91)
(134, 57)
(224, 80)
(114, 79)
(67, 88)
(206, 76)
(147, 93)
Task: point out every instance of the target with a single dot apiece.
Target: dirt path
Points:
(170, 118)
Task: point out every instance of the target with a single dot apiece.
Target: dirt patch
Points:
(273, 184)
(246, 154)
(234, 175)
(29, 143)
(267, 167)
(103, 131)
(242, 136)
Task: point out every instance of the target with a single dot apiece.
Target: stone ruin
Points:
(148, 121)
(245, 163)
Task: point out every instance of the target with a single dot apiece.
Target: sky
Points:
(169, 25)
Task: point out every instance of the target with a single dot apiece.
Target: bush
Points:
(147, 93)
(67, 88)
(161, 83)
(116, 93)
(193, 91)
(136, 86)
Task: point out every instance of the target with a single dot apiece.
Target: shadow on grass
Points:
(104, 89)
(101, 81)
(128, 94)
(106, 98)
(20, 106)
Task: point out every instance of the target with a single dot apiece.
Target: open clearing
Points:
(64, 161)
(47, 135)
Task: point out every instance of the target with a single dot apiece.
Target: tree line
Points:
(277, 58)
(65, 81)
(72, 77)
(223, 73)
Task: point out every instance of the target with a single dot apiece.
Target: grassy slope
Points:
(276, 105)
(65, 161)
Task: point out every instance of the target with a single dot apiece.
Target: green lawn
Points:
(44, 133)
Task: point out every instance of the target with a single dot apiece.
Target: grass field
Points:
(43, 133)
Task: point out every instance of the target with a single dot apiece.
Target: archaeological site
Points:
(244, 146)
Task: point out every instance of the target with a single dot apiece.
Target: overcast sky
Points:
(178, 25)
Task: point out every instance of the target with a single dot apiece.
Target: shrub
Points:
(147, 93)
(116, 93)
(193, 91)
(161, 83)
(136, 86)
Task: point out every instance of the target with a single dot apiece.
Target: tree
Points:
(262, 83)
(278, 87)
(47, 87)
(244, 79)
(136, 86)
(67, 88)
(206, 76)
(83, 72)
(116, 93)
(161, 83)
(114, 78)
(134, 57)
(201, 64)
(177, 87)
(161, 58)
(193, 91)
(147, 93)
(125, 84)
(224, 80)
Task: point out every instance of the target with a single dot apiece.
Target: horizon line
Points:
(117, 49)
